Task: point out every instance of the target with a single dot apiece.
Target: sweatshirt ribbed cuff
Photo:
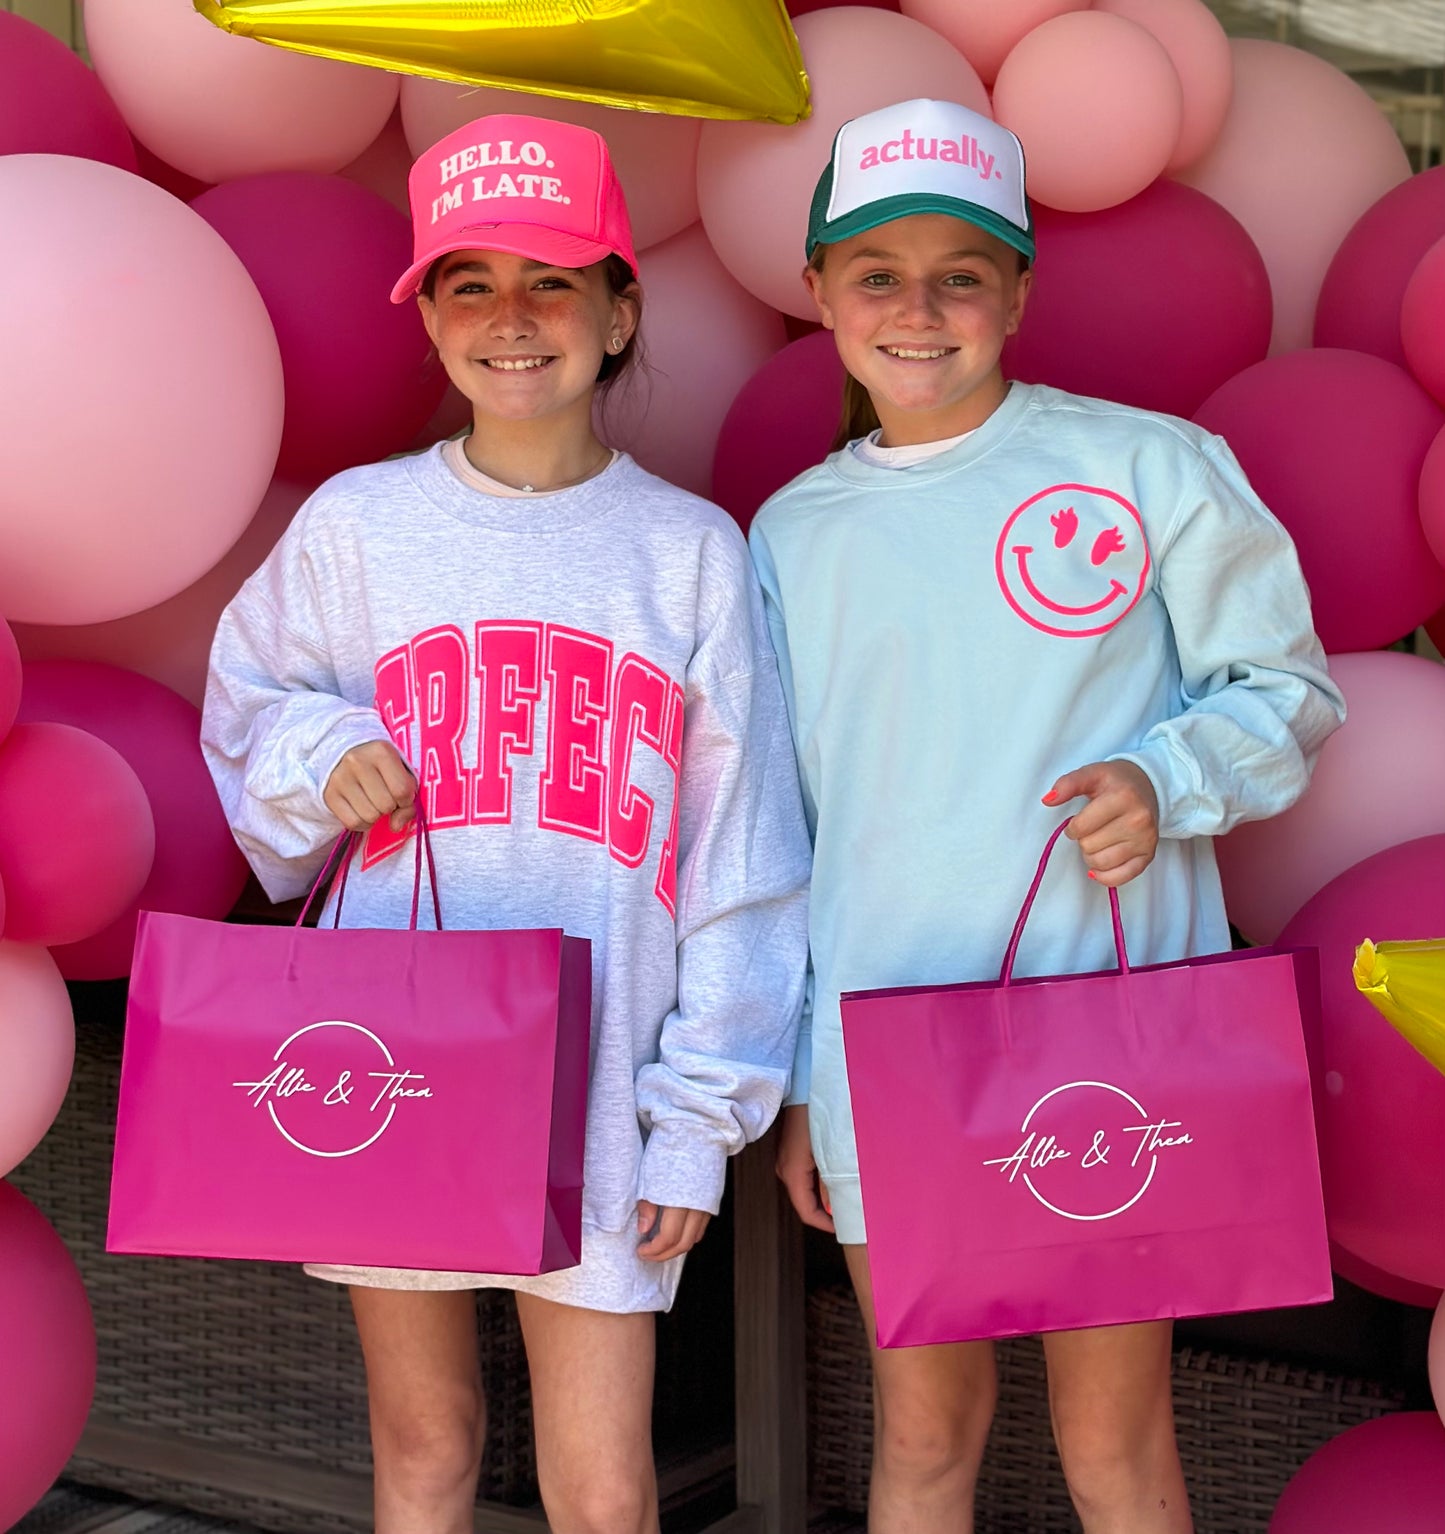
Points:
(683, 1167)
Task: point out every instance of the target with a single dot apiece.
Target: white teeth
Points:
(912, 355)
(521, 365)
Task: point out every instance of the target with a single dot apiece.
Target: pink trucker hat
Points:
(526, 185)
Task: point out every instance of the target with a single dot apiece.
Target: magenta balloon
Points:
(1365, 1276)
(360, 377)
(50, 103)
(1303, 152)
(1334, 442)
(198, 869)
(47, 1339)
(1432, 497)
(1156, 302)
(76, 834)
(184, 359)
(1422, 321)
(1359, 302)
(1382, 1477)
(1097, 104)
(781, 423)
(1198, 47)
(37, 1049)
(1387, 754)
(9, 677)
(985, 31)
(1378, 1101)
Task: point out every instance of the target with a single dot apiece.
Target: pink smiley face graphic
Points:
(1072, 560)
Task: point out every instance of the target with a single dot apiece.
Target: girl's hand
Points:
(674, 1231)
(370, 781)
(798, 1171)
(1118, 829)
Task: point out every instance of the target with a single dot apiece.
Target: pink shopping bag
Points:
(1085, 1150)
(391, 1098)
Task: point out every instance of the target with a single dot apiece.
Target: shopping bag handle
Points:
(341, 854)
(1006, 974)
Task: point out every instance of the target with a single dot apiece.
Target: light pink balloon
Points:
(984, 31)
(171, 642)
(655, 152)
(1304, 152)
(198, 870)
(1198, 46)
(47, 1339)
(37, 1049)
(1387, 755)
(1382, 1477)
(1437, 1358)
(1097, 104)
(383, 166)
(1422, 321)
(1432, 497)
(755, 180)
(703, 338)
(76, 834)
(218, 106)
(137, 434)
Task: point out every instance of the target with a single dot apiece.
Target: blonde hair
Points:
(857, 418)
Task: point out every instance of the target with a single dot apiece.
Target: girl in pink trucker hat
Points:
(567, 659)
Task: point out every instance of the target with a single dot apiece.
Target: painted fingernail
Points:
(1049, 797)
(1092, 874)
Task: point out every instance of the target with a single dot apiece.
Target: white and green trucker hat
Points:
(923, 157)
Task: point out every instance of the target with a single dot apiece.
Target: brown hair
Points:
(620, 277)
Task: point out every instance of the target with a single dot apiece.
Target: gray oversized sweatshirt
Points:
(584, 685)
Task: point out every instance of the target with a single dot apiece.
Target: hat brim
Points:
(906, 204)
(534, 242)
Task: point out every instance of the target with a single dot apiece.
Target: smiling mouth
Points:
(918, 353)
(1117, 589)
(516, 364)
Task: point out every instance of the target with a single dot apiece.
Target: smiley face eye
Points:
(1066, 524)
(1105, 544)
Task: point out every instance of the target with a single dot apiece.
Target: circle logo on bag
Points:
(1089, 1150)
(1073, 560)
(333, 1089)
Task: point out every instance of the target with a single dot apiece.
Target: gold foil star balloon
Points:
(1406, 982)
(698, 58)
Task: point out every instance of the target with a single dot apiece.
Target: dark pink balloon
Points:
(781, 422)
(76, 834)
(1382, 1477)
(1365, 1276)
(1422, 321)
(50, 103)
(167, 177)
(361, 380)
(1359, 303)
(1334, 442)
(1155, 302)
(47, 1339)
(1432, 499)
(9, 678)
(1380, 1105)
(198, 869)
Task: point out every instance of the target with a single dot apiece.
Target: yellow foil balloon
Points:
(1406, 982)
(698, 58)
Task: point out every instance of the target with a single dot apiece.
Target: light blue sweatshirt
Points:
(1075, 581)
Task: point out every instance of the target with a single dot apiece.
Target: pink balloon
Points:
(1380, 1106)
(1422, 321)
(1156, 302)
(1097, 104)
(755, 180)
(703, 338)
(1382, 1477)
(1198, 47)
(1334, 442)
(76, 834)
(1386, 755)
(361, 376)
(198, 869)
(781, 423)
(104, 511)
(1432, 497)
(167, 177)
(984, 31)
(37, 1049)
(1377, 1281)
(1359, 303)
(1303, 153)
(218, 106)
(50, 103)
(1437, 1359)
(172, 641)
(655, 153)
(384, 165)
(9, 678)
(47, 1339)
